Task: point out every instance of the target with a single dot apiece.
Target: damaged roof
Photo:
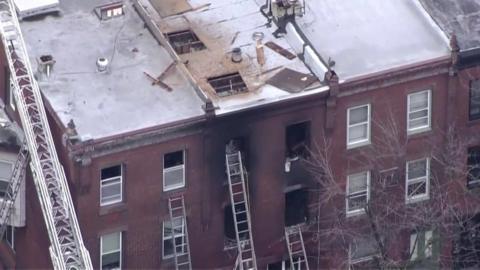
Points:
(120, 100)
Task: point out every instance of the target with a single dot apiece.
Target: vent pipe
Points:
(102, 64)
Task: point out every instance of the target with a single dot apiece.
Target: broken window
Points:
(228, 84)
(466, 250)
(296, 207)
(229, 227)
(473, 162)
(185, 41)
(111, 10)
(173, 170)
(297, 140)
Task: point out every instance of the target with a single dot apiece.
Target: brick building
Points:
(143, 98)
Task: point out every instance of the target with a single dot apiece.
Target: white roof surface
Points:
(24, 5)
(368, 36)
(122, 100)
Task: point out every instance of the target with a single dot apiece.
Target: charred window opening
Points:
(228, 84)
(473, 162)
(466, 250)
(185, 42)
(283, 265)
(238, 144)
(296, 207)
(228, 225)
(297, 140)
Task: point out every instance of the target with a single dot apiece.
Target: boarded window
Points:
(229, 84)
(185, 42)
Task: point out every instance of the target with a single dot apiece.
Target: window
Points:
(358, 192)
(228, 84)
(417, 182)
(473, 162)
(230, 237)
(296, 207)
(474, 104)
(361, 252)
(5, 175)
(170, 232)
(9, 236)
(111, 251)
(111, 185)
(297, 140)
(173, 170)
(419, 111)
(421, 245)
(466, 248)
(185, 42)
(109, 11)
(358, 129)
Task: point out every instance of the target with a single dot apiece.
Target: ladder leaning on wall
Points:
(178, 221)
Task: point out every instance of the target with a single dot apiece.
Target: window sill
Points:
(417, 199)
(355, 213)
(473, 122)
(354, 145)
(422, 130)
(173, 189)
(113, 208)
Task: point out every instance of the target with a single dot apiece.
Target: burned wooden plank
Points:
(278, 49)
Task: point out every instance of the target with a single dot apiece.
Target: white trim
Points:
(421, 197)
(110, 252)
(166, 170)
(361, 142)
(111, 184)
(170, 237)
(11, 95)
(356, 211)
(429, 113)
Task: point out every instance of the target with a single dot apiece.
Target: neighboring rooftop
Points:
(123, 98)
(364, 37)
(461, 17)
(223, 26)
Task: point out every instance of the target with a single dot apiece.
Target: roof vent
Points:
(27, 8)
(108, 11)
(102, 64)
(45, 65)
(237, 55)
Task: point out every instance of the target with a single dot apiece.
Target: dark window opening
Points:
(185, 41)
(111, 172)
(466, 249)
(228, 84)
(297, 140)
(474, 110)
(173, 159)
(228, 224)
(238, 144)
(282, 265)
(296, 207)
(473, 164)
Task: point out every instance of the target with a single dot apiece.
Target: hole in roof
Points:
(228, 84)
(185, 41)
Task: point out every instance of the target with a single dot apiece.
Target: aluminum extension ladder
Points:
(296, 248)
(176, 206)
(241, 211)
(67, 249)
(18, 175)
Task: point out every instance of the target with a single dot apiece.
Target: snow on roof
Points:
(121, 100)
(369, 36)
(27, 8)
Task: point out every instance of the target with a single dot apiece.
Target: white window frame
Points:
(11, 171)
(347, 197)
(361, 142)
(427, 251)
(118, 250)
(170, 237)
(11, 95)
(429, 113)
(111, 184)
(166, 170)
(421, 197)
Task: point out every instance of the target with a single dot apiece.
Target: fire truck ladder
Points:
(18, 174)
(178, 219)
(296, 248)
(241, 211)
(67, 249)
